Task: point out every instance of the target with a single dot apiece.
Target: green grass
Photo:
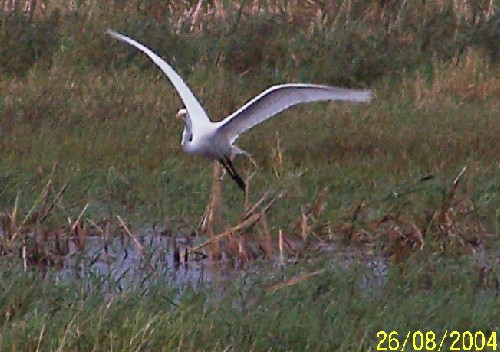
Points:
(334, 310)
(104, 113)
(100, 134)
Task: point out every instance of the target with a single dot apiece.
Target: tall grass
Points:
(337, 309)
(70, 93)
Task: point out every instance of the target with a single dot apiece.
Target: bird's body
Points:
(215, 140)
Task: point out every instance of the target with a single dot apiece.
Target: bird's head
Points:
(187, 134)
(181, 114)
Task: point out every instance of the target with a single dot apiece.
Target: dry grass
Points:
(453, 226)
(466, 80)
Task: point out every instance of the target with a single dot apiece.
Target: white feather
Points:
(215, 139)
(193, 106)
(278, 98)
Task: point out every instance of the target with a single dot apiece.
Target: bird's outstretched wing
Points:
(278, 98)
(193, 106)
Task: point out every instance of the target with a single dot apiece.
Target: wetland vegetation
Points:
(359, 218)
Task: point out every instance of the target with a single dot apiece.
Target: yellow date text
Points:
(430, 341)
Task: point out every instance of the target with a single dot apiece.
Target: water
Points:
(123, 262)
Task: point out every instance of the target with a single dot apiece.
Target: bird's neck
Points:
(187, 134)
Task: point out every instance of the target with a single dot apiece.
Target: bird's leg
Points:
(228, 165)
(233, 173)
(224, 171)
(239, 180)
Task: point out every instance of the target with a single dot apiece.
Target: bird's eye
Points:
(190, 137)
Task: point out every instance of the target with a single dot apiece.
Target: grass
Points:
(330, 311)
(87, 123)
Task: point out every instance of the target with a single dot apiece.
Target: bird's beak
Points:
(180, 115)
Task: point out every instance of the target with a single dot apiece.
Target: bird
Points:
(216, 139)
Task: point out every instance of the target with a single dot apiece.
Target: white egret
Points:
(215, 140)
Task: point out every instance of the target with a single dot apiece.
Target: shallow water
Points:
(122, 262)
